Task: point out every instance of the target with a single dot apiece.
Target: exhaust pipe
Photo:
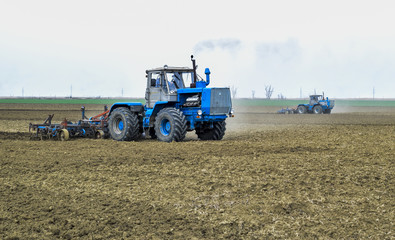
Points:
(207, 72)
(193, 84)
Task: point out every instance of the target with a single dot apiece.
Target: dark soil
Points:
(272, 177)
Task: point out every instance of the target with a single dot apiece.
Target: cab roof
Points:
(170, 69)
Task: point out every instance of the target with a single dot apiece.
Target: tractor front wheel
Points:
(123, 125)
(215, 133)
(302, 109)
(317, 109)
(170, 125)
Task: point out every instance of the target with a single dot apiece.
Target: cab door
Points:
(157, 88)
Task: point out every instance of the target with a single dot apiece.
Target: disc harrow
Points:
(94, 127)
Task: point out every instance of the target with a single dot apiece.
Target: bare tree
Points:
(269, 91)
(71, 91)
(234, 91)
(253, 94)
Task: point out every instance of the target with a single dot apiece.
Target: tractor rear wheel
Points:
(327, 111)
(302, 109)
(170, 125)
(317, 109)
(215, 133)
(123, 125)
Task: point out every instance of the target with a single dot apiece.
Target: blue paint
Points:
(207, 72)
(120, 125)
(165, 127)
(54, 132)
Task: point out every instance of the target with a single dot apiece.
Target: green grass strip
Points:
(236, 102)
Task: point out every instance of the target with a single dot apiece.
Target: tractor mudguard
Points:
(157, 107)
(134, 107)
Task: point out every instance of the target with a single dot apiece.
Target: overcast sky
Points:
(345, 48)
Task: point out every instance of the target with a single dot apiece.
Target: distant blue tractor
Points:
(177, 101)
(318, 104)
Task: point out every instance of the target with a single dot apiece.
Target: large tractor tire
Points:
(215, 133)
(327, 111)
(170, 125)
(123, 125)
(302, 109)
(317, 109)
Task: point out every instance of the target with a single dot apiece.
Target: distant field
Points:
(236, 102)
(295, 102)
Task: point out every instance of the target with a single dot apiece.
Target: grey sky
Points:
(344, 48)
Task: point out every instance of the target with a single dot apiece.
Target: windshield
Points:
(316, 97)
(179, 80)
(172, 80)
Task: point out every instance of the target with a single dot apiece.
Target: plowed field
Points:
(272, 177)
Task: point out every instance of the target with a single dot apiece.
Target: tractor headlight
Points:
(199, 112)
(231, 113)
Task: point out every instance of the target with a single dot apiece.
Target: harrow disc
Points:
(99, 134)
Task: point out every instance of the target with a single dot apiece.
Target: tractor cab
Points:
(315, 99)
(163, 83)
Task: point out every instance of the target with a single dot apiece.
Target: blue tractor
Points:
(317, 104)
(177, 101)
